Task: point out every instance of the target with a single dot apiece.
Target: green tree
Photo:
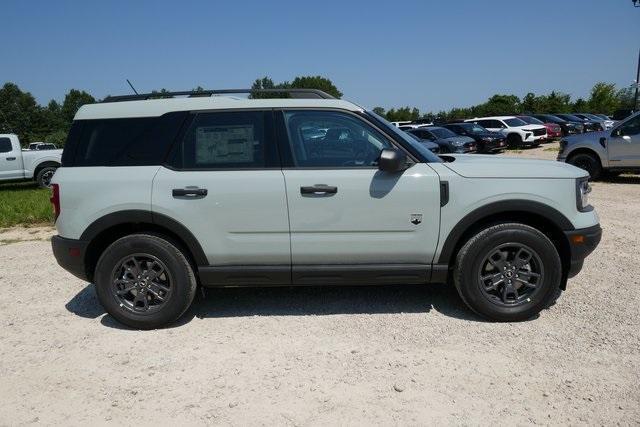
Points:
(316, 82)
(603, 98)
(555, 102)
(530, 103)
(580, 105)
(20, 113)
(379, 111)
(72, 103)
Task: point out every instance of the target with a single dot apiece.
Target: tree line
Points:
(604, 98)
(21, 114)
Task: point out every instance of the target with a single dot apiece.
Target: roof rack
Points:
(294, 93)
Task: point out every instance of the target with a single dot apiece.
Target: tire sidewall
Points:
(41, 173)
(181, 294)
(593, 165)
(469, 286)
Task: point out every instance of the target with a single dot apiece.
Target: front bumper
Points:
(581, 243)
(70, 254)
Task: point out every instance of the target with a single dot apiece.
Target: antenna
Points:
(132, 88)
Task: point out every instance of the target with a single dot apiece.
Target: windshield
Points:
(592, 116)
(515, 122)
(571, 118)
(426, 154)
(473, 128)
(442, 133)
(531, 120)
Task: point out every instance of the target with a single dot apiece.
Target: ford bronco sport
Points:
(158, 196)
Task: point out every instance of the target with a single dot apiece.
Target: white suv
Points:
(158, 196)
(518, 132)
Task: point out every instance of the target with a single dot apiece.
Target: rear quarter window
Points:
(140, 141)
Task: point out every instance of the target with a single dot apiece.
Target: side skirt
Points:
(310, 275)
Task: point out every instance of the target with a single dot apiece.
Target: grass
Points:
(24, 204)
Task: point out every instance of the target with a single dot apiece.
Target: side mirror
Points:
(392, 160)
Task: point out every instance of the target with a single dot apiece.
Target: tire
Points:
(43, 178)
(514, 140)
(472, 266)
(124, 266)
(588, 162)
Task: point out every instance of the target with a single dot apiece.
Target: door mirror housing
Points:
(392, 160)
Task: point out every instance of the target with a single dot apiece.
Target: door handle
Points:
(319, 189)
(192, 192)
(11, 158)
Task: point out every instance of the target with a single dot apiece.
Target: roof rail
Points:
(294, 93)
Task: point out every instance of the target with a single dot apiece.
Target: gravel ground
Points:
(366, 355)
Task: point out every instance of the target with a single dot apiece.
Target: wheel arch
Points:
(548, 220)
(109, 228)
(586, 150)
(45, 164)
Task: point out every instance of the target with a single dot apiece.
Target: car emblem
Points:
(416, 219)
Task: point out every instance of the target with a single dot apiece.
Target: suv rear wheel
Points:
(508, 272)
(588, 162)
(144, 281)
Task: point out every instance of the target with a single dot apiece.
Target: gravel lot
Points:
(365, 355)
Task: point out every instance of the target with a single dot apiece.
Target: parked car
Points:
(431, 146)
(409, 126)
(42, 146)
(518, 133)
(158, 196)
(589, 125)
(554, 131)
(486, 141)
(568, 128)
(622, 114)
(604, 123)
(448, 141)
(605, 153)
(18, 164)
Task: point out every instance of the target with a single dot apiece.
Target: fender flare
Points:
(147, 217)
(503, 206)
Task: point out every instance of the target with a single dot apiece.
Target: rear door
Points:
(10, 159)
(223, 182)
(349, 220)
(624, 144)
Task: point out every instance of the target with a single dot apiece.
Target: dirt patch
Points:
(363, 355)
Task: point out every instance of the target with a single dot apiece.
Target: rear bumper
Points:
(70, 254)
(581, 243)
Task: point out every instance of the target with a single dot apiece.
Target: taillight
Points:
(55, 200)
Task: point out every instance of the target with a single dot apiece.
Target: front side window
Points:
(225, 140)
(5, 145)
(631, 127)
(337, 140)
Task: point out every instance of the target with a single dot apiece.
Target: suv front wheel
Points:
(144, 281)
(508, 272)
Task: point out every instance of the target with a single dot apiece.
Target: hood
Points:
(488, 166)
(587, 137)
(460, 139)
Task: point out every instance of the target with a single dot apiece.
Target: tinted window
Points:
(531, 120)
(227, 140)
(347, 140)
(121, 142)
(5, 145)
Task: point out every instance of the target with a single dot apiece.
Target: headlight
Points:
(582, 194)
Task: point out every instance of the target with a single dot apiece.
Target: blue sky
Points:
(433, 55)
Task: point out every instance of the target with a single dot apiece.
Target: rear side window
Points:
(5, 145)
(227, 140)
(140, 141)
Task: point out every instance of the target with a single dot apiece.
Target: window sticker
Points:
(225, 144)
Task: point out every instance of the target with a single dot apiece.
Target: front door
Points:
(624, 144)
(10, 159)
(346, 215)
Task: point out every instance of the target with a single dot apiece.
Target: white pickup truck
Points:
(19, 164)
